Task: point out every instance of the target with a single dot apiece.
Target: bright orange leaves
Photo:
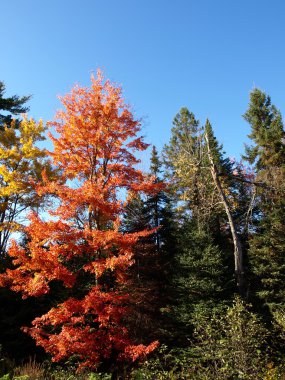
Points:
(95, 152)
(97, 136)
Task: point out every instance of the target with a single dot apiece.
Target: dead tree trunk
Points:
(238, 254)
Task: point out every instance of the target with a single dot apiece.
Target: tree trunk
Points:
(238, 255)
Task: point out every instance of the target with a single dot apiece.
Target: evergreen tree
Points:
(153, 212)
(184, 162)
(202, 274)
(159, 210)
(11, 106)
(204, 178)
(267, 132)
(135, 218)
(154, 203)
(143, 274)
(153, 253)
(267, 244)
(225, 195)
(187, 164)
(201, 279)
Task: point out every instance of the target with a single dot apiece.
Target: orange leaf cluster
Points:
(90, 329)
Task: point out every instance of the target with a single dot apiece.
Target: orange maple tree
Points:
(81, 246)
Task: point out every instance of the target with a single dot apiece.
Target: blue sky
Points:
(206, 55)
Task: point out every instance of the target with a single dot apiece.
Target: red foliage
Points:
(90, 328)
(95, 147)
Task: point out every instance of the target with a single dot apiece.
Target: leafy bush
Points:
(231, 345)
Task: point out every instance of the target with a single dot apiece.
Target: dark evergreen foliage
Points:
(267, 243)
(11, 106)
(267, 132)
(201, 276)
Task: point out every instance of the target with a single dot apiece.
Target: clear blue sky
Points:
(203, 54)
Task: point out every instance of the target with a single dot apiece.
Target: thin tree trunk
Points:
(238, 254)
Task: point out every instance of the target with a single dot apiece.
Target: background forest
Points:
(113, 273)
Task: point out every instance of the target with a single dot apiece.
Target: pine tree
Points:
(11, 106)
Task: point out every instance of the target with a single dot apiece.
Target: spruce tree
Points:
(183, 160)
(188, 168)
(267, 132)
(150, 272)
(201, 275)
(267, 244)
(201, 278)
(159, 210)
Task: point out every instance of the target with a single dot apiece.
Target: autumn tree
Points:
(11, 106)
(20, 161)
(82, 246)
(21, 164)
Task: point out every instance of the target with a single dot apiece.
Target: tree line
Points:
(177, 273)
